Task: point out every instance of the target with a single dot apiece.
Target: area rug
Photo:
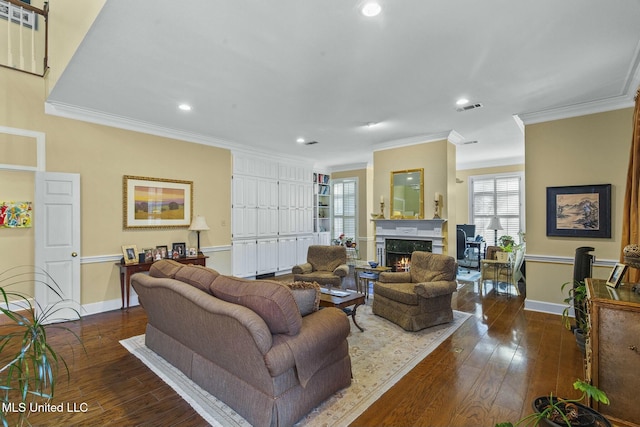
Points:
(380, 356)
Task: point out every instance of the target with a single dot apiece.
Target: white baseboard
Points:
(102, 306)
(544, 307)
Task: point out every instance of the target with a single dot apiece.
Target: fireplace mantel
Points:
(410, 229)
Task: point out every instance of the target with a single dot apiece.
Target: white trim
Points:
(586, 108)
(553, 259)
(544, 307)
(349, 167)
(491, 163)
(412, 140)
(40, 149)
(96, 259)
(111, 120)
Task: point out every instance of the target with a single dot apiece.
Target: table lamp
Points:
(495, 225)
(199, 224)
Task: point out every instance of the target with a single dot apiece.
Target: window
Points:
(345, 208)
(500, 196)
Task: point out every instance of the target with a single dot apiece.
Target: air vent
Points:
(310, 142)
(469, 107)
(475, 141)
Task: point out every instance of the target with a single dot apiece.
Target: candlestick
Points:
(436, 213)
(381, 199)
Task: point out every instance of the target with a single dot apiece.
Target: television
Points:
(469, 230)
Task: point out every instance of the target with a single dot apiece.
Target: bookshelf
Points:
(322, 204)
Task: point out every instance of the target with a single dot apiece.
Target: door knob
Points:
(74, 254)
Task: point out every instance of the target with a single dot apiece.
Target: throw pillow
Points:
(165, 268)
(271, 300)
(197, 275)
(307, 296)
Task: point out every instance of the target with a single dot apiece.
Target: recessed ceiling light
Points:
(371, 9)
(371, 124)
(462, 101)
(184, 107)
(300, 140)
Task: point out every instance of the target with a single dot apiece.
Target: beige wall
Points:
(365, 238)
(102, 155)
(591, 149)
(438, 161)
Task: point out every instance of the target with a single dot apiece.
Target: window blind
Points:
(499, 196)
(345, 209)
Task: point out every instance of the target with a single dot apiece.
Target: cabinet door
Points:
(302, 247)
(267, 256)
(245, 191)
(267, 190)
(619, 362)
(244, 259)
(268, 222)
(287, 253)
(245, 222)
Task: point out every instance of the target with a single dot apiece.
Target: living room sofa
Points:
(245, 341)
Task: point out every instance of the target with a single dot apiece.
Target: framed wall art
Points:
(579, 211)
(156, 202)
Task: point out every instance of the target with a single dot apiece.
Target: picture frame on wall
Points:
(156, 202)
(579, 211)
(616, 275)
(130, 254)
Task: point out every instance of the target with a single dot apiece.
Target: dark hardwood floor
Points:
(488, 371)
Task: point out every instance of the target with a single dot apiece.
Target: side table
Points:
(126, 271)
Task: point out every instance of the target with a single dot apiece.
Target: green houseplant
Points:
(576, 298)
(29, 366)
(555, 411)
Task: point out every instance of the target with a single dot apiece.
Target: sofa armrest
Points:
(342, 270)
(435, 289)
(395, 277)
(302, 268)
(322, 331)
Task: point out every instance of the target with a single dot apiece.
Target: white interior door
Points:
(57, 247)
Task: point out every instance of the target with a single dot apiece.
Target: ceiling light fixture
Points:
(462, 101)
(184, 107)
(300, 140)
(371, 9)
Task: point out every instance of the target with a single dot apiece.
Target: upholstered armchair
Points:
(418, 298)
(326, 265)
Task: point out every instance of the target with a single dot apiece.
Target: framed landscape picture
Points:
(579, 211)
(156, 202)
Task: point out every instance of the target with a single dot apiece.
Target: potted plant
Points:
(29, 365)
(577, 298)
(554, 411)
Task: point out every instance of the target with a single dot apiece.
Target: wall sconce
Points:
(199, 224)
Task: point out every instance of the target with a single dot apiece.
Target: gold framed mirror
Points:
(407, 189)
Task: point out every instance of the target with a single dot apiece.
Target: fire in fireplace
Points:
(398, 252)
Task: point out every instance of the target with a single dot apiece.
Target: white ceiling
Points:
(260, 74)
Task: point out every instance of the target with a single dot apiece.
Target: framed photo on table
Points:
(180, 249)
(156, 202)
(579, 211)
(130, 254)
(615, 277)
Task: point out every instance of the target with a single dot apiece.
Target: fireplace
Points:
(398, 252)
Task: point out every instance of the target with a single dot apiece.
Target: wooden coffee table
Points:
(354, 299)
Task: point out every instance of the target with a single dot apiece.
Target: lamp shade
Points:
(494, 224)
(199, 224)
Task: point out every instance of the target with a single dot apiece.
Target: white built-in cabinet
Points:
(272, 215)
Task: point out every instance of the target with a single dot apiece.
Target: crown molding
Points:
(349, 167)
(491, 163)
(583, 109)
(412, 140)
(82, 114)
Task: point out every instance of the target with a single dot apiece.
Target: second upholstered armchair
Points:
(418, 298)
(326, 265)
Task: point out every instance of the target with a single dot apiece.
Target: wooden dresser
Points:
(613, 349)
